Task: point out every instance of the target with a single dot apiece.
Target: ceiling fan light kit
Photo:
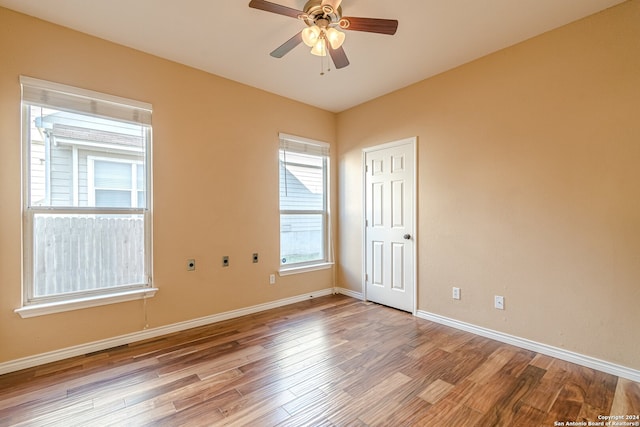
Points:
(311, 35)
(321, 35)
(317, 38)
(335, 37)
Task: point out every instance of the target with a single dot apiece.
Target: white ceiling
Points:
(229, 39)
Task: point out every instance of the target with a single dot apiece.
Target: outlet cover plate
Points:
(498, 302)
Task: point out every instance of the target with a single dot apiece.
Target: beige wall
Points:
(529, 186)
(215, 184)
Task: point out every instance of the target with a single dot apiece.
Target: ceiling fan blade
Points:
(275, 8)
(287, 46)
(370, 25)
(335, 4)
(338, 56)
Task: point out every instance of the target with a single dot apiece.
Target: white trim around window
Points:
(34, 310)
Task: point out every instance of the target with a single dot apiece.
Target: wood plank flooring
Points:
(330, 361)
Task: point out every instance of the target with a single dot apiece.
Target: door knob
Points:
(407, 236)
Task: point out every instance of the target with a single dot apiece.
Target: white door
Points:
(389, 224)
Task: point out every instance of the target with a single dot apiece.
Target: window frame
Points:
(87, 100)
(306, 146)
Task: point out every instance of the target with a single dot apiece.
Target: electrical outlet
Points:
(456, 293)
(191, 264)
(225, 261)
(498, 302)
(272, 279)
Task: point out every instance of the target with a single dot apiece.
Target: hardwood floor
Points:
(331, 361)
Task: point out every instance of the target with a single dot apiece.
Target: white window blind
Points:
(296, 144)
(67, 98)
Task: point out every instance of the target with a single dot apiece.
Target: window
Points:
(116, 183)
(303, 202)
(87, 197)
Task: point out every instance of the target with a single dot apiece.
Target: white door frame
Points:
(414, 143)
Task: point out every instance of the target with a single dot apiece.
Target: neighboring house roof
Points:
(91, 135)
(78, 129)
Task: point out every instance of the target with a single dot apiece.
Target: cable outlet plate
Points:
(191, 264)
(225, 261)
(498, 302)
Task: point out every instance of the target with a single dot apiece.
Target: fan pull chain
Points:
(322, 58)
(144, 309)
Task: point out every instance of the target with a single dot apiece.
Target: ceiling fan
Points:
(321, 35)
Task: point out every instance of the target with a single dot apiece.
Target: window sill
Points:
(79, 303)
(304, 269)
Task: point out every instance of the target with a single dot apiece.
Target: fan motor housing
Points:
(313, 11)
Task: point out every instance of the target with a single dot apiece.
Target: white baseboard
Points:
(65, 353)
(559, 353)
(349, 293)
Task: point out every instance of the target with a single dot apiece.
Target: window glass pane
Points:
(60, 145)
(139, 177)
(76, 253)
(113, 198)
(301, 238)
(300, 158)
(141, 199)
(37, 167)
(114, 175)
(301, 187)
